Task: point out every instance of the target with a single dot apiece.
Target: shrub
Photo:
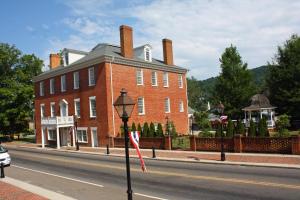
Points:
(151, 130)
(205, 133)
(139, 129)
(133, 127)
(263, 128)
(252, 129)
(282, 125)
(160, 132)
(146, 130)
(230, 129)
(173, 130)
(240, 128)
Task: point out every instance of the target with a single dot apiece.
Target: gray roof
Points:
(108, 53)
(259, 101)
(75, 51)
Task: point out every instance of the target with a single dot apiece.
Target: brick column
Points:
(168, 143)
(237, 141)
(193, 143)
(296, 144)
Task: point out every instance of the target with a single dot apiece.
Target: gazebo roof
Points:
(258, 102)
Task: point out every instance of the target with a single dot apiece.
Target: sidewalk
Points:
(251, 159)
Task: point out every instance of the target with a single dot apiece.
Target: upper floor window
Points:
(52, 109)
(63, 83)
(92, 106)
(166, 79)
(148, 56)
(52, 86)
(76, 80)
(91, 76)
(141, 106)
(42, 88)
(167, 105)
(77, 107)
(180, 81)
(139, 77)
(181, 108)
(154, 78)
(42, 110)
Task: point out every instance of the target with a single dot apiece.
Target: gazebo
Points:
(260, 107)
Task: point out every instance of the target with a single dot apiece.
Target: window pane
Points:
(141, 105)
(63, 83)
(167, 105)
(52, 86)
(180, 81)
(139, 77)
(42, 88)
(166, 79)
(92, 107)
(154, 79)
(76, 80)
(91, 76)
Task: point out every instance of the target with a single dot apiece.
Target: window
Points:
(167, 105)
(91, 76)
(52, 109)
(148, 56)
(166, 79)
(82, 135)
(181, 108)
(92, 106)
(42, 110)
(42, 93)
(180, 82)
(63, 83)
(154, 78)
(52, 86)
(141, 106)
(139, 77)
(77, 107)
(76, 80)
(51, 134)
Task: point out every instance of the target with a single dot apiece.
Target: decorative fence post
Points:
(193, 143)
(168, 143)
(237, 142)
(296, 144)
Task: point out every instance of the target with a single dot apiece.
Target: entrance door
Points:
(95, 137)
(63, 133)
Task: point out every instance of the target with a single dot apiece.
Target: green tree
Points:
(201, 118)
(252, 129)
(230, 129)
(139, 129)
(146, 130)
(173, 130)
(283, 81)
(160, 132)
(240, 128)
(263, 128)
(195, 95)
(16, 88)
(151, 130)
(282, 125)
(235, 84)
(133, 127)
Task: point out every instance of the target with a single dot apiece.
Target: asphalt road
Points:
(84, 176)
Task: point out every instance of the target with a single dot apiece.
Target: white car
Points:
(4, 157)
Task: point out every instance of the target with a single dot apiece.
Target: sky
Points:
(200, 29)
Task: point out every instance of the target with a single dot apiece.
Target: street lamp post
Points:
(76, 135)
(192, 121)
(221, 111)
(124, 106)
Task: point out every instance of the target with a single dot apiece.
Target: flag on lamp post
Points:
(134, 138)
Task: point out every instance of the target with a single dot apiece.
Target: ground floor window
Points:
(52, 134)
(82, 136)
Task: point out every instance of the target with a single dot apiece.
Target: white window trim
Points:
(52, 86)
(51, 110)
(92, 135)
(42, 89)
(150, 54)
(87, 136)
(143, 113)
(181, 106)
(142, 77)
(156, 82)
(75, 107)
(169, 105)
(52, 129)
(180, 80)
(42, 106)
(74, 81)
(166, 74)
(89, 74)
(63, 78)
(92, 98)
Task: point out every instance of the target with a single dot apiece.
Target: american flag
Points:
(134, 138)
(223, 118)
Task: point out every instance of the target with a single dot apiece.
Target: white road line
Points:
(148, 196)
(67, 178)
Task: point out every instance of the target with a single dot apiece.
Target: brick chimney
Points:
(168, 51)
(126, 41)
(54, 60)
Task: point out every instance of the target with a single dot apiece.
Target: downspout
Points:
(112, 96)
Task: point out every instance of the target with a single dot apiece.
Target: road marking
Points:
(148, 196)
(164, 173)
(55, 175)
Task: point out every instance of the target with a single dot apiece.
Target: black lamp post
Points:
(192, 121)
(76, 135)
(124, 106)
(220, 109)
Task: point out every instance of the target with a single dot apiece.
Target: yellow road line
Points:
(163, 173)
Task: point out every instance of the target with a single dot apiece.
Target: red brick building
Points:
(87, 83)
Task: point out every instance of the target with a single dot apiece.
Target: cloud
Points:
(200, 29)
(30, 28)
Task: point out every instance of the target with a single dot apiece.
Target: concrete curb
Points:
(203, 161)
(36, 189)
